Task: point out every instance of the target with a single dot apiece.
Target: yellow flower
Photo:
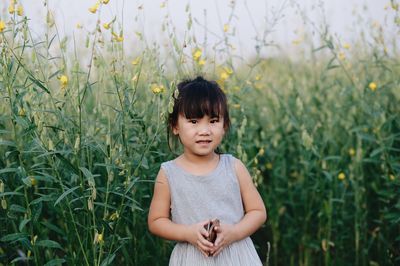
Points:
(33, 181)
(226, 27)
(352, 152)
(236, 106)
(258, 77)
(372, 86)
(98, 238)
(20, 10)
(162, 5)
(228, 70)
(297, 41)
(201, 62)
(78, 25)
(157, 89)
(341, 56)
(224, 76)
(2, 25)
(63, 81)
(136, 61)
(21, 112)
(268, 166)
(93, 9)
(11, 8)
(346, 46)
(341, 176)
(106, 2)
(392, 177)
(261, 151)
(114, 216)
(106, 25)
(118, 38)
(196, 54)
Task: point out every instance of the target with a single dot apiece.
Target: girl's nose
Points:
(204, 129)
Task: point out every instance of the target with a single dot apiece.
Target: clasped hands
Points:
(198, 236)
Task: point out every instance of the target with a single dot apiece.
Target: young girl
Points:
(201, 185)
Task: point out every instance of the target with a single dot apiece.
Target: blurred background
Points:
(86, 86)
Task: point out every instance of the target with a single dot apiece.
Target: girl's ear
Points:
(175, 131)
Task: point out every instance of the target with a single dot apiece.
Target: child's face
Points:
(200, 136)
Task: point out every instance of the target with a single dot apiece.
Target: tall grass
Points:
(81, 141)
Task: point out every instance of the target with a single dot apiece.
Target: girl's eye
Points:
(193, 121)
(215, 120)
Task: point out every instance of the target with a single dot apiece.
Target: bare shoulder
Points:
(162, 177)
(241, 170)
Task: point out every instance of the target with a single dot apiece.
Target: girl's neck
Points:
(195, 159)
(198, 165)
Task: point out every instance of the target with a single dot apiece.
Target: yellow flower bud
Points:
(372, 86)
(63, 81)
(2, 25)
(201, 62)
(114, 216)
(226, 28)
(196, 54)
(21, 112)
(20, 10)
(341, 176)
(136, 61)
(346, 46)
(11, 9)
(93, 9)
(352, 152)
(33, 181)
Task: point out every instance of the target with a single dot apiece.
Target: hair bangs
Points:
(200, 102)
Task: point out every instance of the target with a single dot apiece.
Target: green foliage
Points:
(81, 144)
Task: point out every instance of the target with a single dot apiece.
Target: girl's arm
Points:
(255, 213)
(160, 224)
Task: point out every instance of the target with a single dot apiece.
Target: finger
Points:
(219, 240)
(203, 232)
(202, 237)
(205, 242)
(217, 251)
(203, 246)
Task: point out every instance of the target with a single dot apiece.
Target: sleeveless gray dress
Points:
(198, 198)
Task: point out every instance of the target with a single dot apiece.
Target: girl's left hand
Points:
(225, 236)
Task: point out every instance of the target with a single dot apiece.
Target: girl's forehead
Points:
(182, 115)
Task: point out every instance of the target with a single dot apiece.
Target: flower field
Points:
(83, 134)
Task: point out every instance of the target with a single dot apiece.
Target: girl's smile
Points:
(200, 136)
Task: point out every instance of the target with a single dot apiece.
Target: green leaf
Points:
(22, 224)
(7, 143)
(48, 244)
(13, 237)
(42, 198)
(39, 84)
(55, 262)
(17, 208)
(66, 193)
(108, 260)
(11, 193)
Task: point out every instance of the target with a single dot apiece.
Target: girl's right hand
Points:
(196, 234)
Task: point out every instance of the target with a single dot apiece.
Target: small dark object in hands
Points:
(210, 227)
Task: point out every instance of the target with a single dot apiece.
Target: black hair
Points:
(197, 98)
